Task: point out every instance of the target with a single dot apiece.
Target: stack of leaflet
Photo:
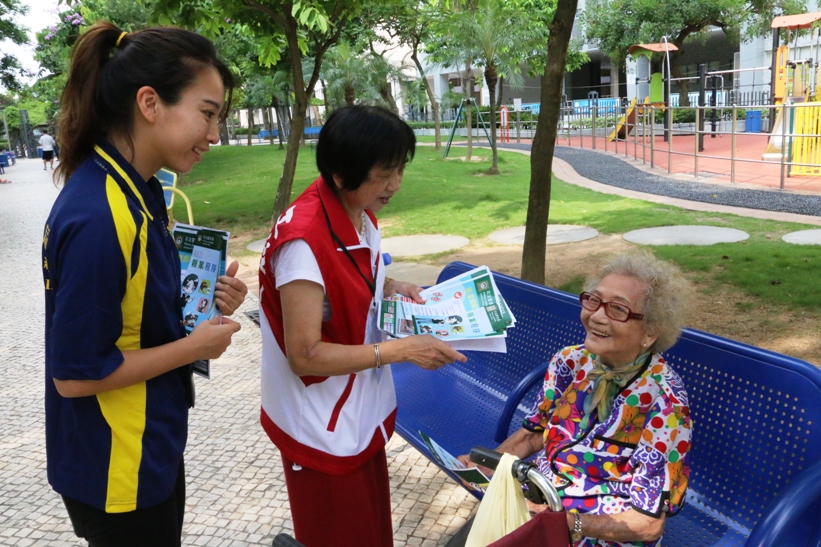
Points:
(467, 311)
(203, 253)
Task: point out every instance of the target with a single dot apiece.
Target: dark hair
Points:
(357, 138)
(107, 69)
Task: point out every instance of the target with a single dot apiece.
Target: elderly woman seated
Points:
(612, 423)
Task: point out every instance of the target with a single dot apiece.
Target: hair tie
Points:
(120, 39)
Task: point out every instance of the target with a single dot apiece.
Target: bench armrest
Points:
(515, 397)
(787, 507)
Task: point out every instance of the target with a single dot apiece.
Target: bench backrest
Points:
(757, 414)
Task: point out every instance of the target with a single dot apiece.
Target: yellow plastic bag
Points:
(503, 508)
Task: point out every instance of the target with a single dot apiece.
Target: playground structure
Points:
(795, 132)
(650, 90)
(745, 143)
(168, 180)
(793, 119)
(504, 126)
(464, 106)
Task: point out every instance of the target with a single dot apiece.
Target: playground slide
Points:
(775, 144)
(628, 120)
(774, 147)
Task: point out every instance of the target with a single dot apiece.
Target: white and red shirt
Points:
(331, 424)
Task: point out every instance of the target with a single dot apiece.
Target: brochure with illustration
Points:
(203, 256)
(467, 311)
(475, 479)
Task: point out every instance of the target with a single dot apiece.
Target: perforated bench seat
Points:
(756, 473)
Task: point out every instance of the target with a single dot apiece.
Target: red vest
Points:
(348, 293)
(316, 216)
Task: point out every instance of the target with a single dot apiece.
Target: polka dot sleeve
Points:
(556, 380)
(661, 457)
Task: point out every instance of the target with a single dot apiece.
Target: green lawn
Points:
(234, 188)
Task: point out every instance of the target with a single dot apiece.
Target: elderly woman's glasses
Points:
(613, 310)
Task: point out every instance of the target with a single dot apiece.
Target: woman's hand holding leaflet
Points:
(230, 291)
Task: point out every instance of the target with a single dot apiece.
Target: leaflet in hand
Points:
(203, 255)
(467, 311)
(475, 479)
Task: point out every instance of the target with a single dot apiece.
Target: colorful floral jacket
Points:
(636, 458)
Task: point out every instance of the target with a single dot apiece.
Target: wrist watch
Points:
(576, 534)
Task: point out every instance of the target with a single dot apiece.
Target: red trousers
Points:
(341, 511)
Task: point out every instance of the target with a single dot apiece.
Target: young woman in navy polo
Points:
(118, 380)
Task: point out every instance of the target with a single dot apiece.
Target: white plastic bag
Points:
(503, 508)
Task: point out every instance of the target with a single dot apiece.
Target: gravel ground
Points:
(607, 169)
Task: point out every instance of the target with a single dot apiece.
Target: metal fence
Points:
(728, 142)
(772, 145)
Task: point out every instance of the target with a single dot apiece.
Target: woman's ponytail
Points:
(79, 123)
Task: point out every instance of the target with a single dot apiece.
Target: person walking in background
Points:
(328, 401)
(47, 143)
(118, 362)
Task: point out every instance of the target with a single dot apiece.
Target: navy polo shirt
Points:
(112, 283)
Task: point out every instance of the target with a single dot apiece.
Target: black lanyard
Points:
(371, 285)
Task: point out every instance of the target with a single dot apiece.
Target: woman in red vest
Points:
(328, 401)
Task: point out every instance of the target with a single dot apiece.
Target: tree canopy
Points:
(296, 29)
(10, 68)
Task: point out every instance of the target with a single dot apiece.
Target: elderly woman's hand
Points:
(230, 293)
(405, 288)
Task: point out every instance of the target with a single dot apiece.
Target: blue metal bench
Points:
(5, 161)
(264, 134)
(756, 457)
(310, 133)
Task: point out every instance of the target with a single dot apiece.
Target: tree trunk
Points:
(297, 124)
(325, 98)
(266, 120)
(250, 124)
(278, 112)
(541, 154)
(492, 77)
(350, 95)
(286, 181)
(468, 86)
(387, 96)
(302, 95)
(501, 88)
(614, 80)
(434, 106)
(225, 139)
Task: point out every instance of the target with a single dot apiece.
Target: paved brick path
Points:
(236, 492)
